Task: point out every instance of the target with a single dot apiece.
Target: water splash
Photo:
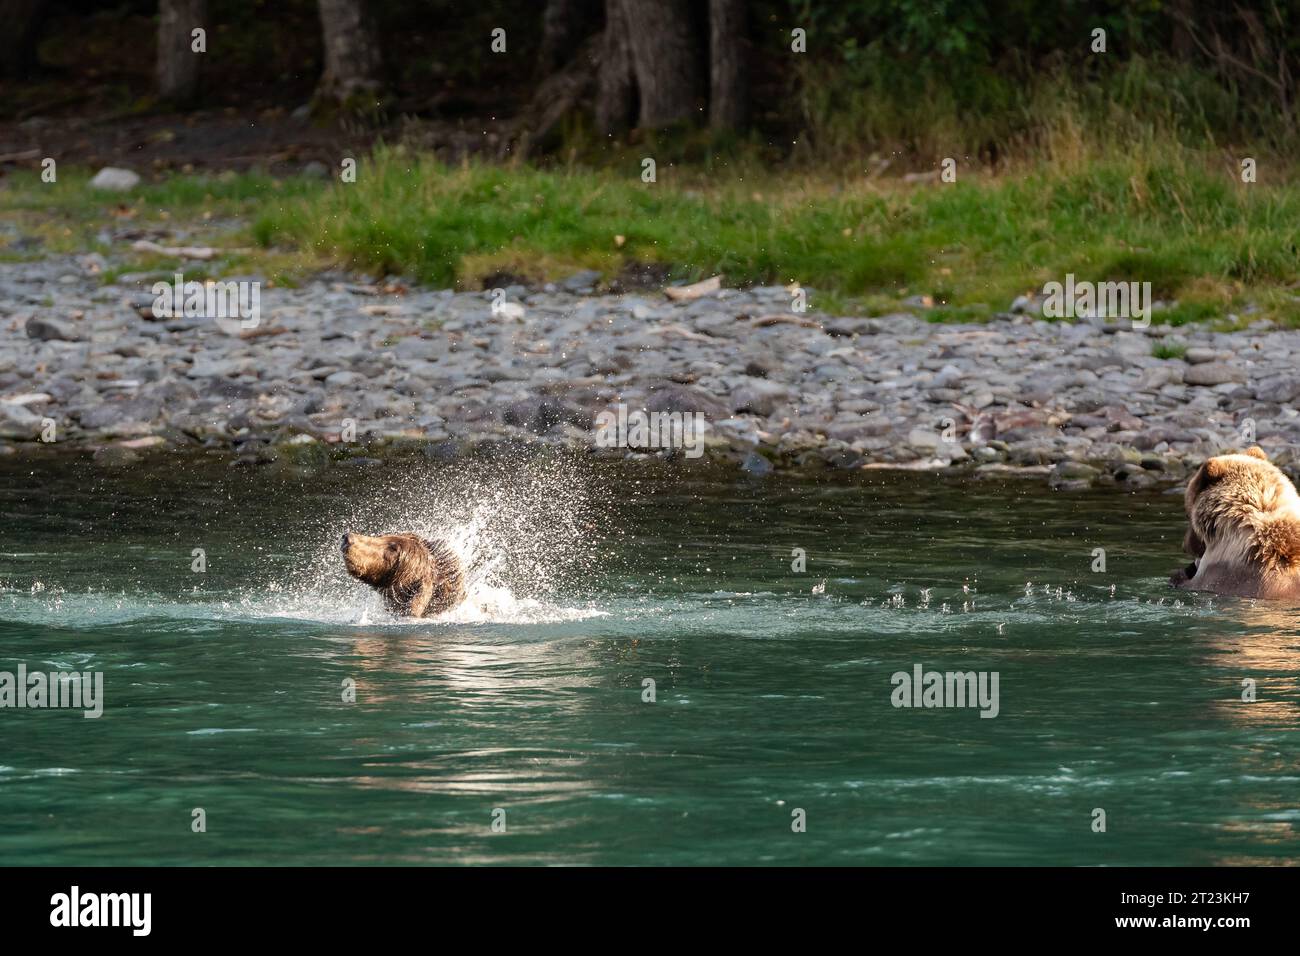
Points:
(527, 532)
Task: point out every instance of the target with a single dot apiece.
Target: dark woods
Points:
(760, 68)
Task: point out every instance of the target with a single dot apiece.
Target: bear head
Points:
(414, 575)
(1243, 527)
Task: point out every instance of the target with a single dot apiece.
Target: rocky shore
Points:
(342, 369)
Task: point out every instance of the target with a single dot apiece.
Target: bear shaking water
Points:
(415, 576)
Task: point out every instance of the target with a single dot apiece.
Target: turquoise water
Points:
(223, 688)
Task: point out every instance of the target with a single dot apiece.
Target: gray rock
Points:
(756, 465)
(581, 283)
(113, 179)
(1280, 389)
(1213, 373)
(1160, 375)
(925, 439)
(541, 415)
(17, 421)
(116, 456)
(46, 330)
(759, 397)
(843, 327)
(1073, 474)
(1161, 434)
(671, 397)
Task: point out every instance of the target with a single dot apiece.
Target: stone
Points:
(1213, 373)
(116, 456)
(17, 421)
(1280, 389)
(759, 397)
(1199, 355)
(342, 379)
(540, 415)
(843, 327)
(926, 439)
(670, 397)
(581, 283)
(114, 179)
(46, 330)
(1064, 472)
(756, 465)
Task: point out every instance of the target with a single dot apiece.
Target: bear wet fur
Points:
(415, 576)
(1244, 529)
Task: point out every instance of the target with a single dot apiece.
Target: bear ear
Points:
(1254, 451)
(1212, 470)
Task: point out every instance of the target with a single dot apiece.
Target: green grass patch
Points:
(1175, 219)
(1159, 213)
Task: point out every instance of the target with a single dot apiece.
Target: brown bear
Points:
(1245, 529)
(415, 576)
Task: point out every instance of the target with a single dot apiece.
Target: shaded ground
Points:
(273, 140)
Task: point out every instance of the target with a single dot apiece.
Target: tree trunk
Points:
(728, 70)
(666, 55)
(352, 60)
(557, 96)
(178, 64)
(615, 81)
(21, 19)
(565, 24)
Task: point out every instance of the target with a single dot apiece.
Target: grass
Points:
(1180, 220)
(1158, 212)
(1169, 350)
(67, 216)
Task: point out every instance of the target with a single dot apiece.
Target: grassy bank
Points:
(1185, 223)
(1179, 219)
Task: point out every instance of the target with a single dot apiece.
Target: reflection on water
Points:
(641, 676)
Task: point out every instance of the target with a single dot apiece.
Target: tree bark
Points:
(615, 79)
(178, 64)
(728, 67)
(666, 54)
(557, 96)
(352, 60)
(565, 24)
(1181, 41)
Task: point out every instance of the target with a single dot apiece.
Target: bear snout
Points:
(359, 557)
